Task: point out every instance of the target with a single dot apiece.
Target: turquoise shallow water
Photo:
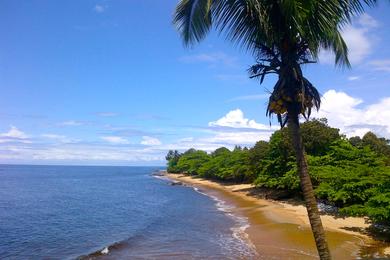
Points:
(65, 212)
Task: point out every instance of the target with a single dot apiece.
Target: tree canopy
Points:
(351, 174)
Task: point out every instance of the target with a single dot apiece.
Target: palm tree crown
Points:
(281, 34)
(271, 22)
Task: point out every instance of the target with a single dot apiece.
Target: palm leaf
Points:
(193, 19)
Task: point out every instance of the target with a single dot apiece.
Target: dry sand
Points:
(281, 230)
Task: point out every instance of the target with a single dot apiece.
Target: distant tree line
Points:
(352, 174)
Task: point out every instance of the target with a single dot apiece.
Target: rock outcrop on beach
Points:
(174, 183)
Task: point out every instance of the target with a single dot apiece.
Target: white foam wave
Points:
(161, 177)
(105, 251)
(240, 241)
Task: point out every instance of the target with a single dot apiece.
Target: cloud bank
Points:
(348, 113)
(352, 117)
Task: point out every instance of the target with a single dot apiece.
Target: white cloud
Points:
(343, 111)
(71, 123)
(353, 78)
(367, 21)
(358, 38)
(230, 130)
(115, 139)
(147, 140)
(237, 138)
(381, 65)
(60, 138)
(186, 140)
(76, 153)
(54, 136)
(247, 132)
(236, 119)
(204, 144)
(348, 114)
(99, 8)
(359, 45)
(14, 133)
(210, 58)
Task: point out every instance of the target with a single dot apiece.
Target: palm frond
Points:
(192, 19)
(245, 22)
(355, 7)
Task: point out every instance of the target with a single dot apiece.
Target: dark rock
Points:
(173, 183)
(159, 173)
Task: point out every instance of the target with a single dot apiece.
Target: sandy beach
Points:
(280, 230)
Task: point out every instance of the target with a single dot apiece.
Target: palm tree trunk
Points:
(307, 189)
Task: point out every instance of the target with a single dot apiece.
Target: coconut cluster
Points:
(279, 102)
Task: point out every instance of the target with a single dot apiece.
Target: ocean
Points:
(87, 212)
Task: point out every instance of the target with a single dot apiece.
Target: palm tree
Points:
(282, 35)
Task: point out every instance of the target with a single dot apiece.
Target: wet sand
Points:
(281, 231)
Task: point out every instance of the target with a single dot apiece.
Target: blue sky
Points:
(110, 83)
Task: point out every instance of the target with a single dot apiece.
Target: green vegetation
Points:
(352, 174)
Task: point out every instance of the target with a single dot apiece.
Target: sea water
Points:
(70, 212)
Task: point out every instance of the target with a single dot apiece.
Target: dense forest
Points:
(352, 174)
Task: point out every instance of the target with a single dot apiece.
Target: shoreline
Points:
(282, 230)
